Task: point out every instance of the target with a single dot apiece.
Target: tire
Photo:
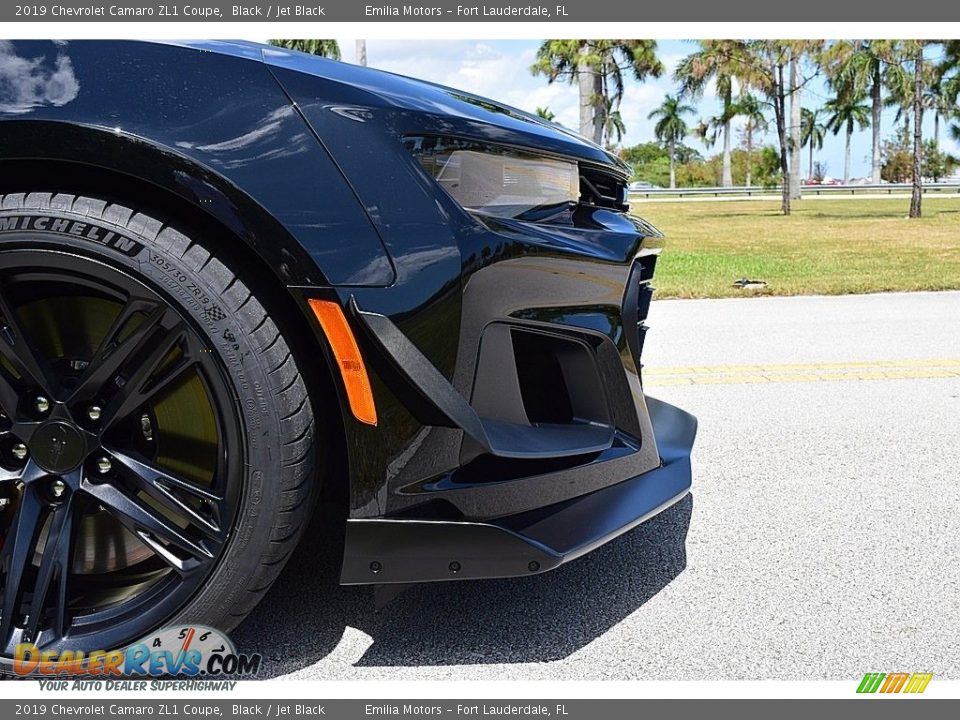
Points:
(274, 460)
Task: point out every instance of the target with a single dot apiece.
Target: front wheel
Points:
(156, 438)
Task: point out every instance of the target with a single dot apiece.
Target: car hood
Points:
(386, 89)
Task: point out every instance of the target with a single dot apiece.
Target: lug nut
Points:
(42, 405)
(58, 488)
(94, 412)
(104, 465)
(20, 451)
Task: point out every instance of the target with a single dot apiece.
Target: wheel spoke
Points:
(114, 351)
(9, 396)
(18, 551)
(150, 526)
(16, 350)
(54, 572)
(144, 384)
(162, 486)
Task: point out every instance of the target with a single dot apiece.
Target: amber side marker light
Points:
(345, 349)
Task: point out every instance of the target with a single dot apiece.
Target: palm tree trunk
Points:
(877, 109)
(846, 156)
(727, 180)
(780, 110)
(585, 77)
(749, 153)
(795, 102)
(361, 52)
(599, 107)
(916, 197)
(810, 169)
(936, 128)
(673, 168)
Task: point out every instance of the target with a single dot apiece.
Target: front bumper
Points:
(391, 551)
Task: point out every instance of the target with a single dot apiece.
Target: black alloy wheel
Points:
(125, 453)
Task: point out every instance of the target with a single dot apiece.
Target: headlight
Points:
(495, 180)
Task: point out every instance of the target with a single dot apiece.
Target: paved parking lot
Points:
(821, 539)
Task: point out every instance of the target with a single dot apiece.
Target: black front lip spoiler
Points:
(386, 551)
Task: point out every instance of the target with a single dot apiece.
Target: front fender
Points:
(215, 130)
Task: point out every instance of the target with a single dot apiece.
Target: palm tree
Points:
(323, 48)
(671, 128)
(764, 67)
(717, 60)
(865, 66)
(361, 49)
(546, 114)
(941, 98)
(948, 75)
(750, 108)
(599, 68)
(846, 113)
(615, 128)
(812, 133)
(914, 50)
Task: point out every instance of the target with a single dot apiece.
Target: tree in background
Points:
(950, 79)
(942, 94)
(361, 50)
(819, 171)
(764, 65)
(615, 127)
(720, 61)
(671, 128)
(599, 68)
(323, 48)
(865, 65)
(750, 109)
(847, 112)
(914, 50)
(897, 157)
(812, 133)
(936, 163)
(546, 114)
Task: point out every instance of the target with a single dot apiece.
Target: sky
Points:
(499, 69)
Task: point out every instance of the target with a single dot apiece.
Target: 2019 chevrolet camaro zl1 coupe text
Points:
(230, 274)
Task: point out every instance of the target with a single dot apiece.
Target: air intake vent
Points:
(601, 188)
(636, 305)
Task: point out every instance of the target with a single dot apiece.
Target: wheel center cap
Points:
(57, 447)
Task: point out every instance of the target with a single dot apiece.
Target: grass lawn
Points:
(825, 247)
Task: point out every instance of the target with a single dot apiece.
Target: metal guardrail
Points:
(888, 188)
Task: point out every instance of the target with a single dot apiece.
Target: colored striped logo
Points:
(894, 682)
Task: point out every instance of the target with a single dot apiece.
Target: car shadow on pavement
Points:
(532, 619)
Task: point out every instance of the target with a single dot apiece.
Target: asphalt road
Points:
(820, 542)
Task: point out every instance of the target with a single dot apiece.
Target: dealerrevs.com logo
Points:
(889, 683)
(191, 652)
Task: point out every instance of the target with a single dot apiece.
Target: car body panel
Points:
(303, 160)
(141, 108)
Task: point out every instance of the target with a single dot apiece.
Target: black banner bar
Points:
(471, 11)
(185, 709)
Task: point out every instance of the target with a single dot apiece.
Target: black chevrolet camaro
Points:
(230, 274)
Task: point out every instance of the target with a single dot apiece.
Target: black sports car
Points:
(226, 269)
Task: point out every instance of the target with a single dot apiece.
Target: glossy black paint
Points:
(388, 551)
(214, 129)
(301, 161)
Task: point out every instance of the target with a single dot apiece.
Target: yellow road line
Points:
(803, 372)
